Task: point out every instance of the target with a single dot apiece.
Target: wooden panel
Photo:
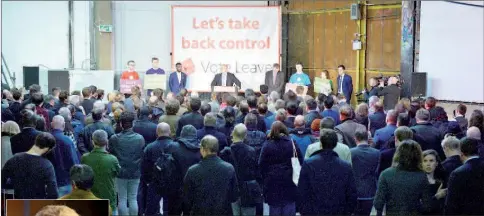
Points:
(312, 5)
(297, 46)
(310, 40)
(319, 41)
(374, 44)
(351, 29)
(329, 40)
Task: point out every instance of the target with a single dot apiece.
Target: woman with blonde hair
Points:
(9, 129)
(404, 187)
(113, 97)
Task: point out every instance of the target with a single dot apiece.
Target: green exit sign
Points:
(106, 28)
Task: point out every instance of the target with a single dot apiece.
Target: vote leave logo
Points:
(188, 66)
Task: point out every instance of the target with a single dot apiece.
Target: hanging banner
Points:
(246, 38)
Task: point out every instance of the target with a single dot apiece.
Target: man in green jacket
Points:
(106, 168)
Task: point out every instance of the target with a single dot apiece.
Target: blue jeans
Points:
(284, 210)
(64, 190)
(238, 210)
(127, 190)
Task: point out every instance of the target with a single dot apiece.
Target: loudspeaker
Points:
(31, 76)
(419, 84)
(58, 78)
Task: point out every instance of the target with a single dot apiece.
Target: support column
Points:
(407, 46)
(71, 33)
(285, 41)
(103, 42)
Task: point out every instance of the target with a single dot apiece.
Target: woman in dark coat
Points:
(279, 190)
(436, 176)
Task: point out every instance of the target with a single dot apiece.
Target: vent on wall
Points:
(355, 12)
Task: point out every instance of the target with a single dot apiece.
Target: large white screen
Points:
(452, 50)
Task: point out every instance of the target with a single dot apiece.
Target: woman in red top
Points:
(130, 74)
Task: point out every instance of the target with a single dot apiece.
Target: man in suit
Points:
(451, 147)
(345, 83)
(177, 80)
(460, 116)
(384, 134)
(206, 193)
(386, 157)
(465, 192)
(326, 183)
(348, 125)
(225, 78)
(373, 91)
(252, 102)
(275, 79)
(24, 140)
(364, 163)
(312, 114)
(210, 128)
(431, 135)
(377, 119)
(391, 93)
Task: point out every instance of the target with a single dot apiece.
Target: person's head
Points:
(231, 101)
(155, 62)
(252, 102)
(178, 67)
(210, 120)
(291, 108)
(299, 122)
(224, 68)
(163, 130)
(341, 69)
(469, 147)
(63, 97)
(276, 67)
(38, 99)
(82, 177)
(362, 110)
(264, 89)
(372, 101)
(100, 138)
(75, 100)
(408, 156)
(58, 123)
(239, 133)
(100, 94)
(208, 146)
(461, 110)
(451, 146)
(17, 95)
(403, 119)
(274, 96)
(477, 120)
(76, 92)
(474, 133)
(315, 125)
(189, 132)
(27, 118)
(229, 115)
(86, 92)
(280, 104)
(262, 109)
(391, 118)
(49, 99)
(290, 96)
(34, 89)
(93, 90)
(144, 112)
(345, 112)
(327, 123)
(401, 134)
(195, 104)
(361, 136)
(278, 130)
(422, 116)
(244, 107)
(325, 74)
(250, 120)
(172, 107)
(131, 65)
(127, 119)
(44, 142)
(311, 104)
(205, 108)
(281, 115)
(56, 210)
(56, 91)
(373, 82)
(299, 67)
(249, 92)
(328, 102)
(431, 161)
(66, 112)
(328, 139)
(10, 128)
(430, 103)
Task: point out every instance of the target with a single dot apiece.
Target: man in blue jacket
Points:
(382, 135)
(209, 128)
(345, 84)
(326, 183)
(177, 80)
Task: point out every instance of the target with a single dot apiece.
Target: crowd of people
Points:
(176, 154)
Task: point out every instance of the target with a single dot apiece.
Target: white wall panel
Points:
(143, 30)
(81, 34)
(451, 50)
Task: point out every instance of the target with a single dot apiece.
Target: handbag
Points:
(296, 166)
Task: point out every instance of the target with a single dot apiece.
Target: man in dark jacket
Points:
(382, 135)
(348, 126)
(312, 114)
(431, 135)
(204, 192)
(390, 92)
(244, 159)
(326, 183)
(150, 196)
(451, 147)
(84, 143)
(88, 102)
(254, 137)
(27, 98)
(377, 119)
(191, 118)
(252, 102)
(386, 157)
(364, 163)
(302, 136)
(210, 122)
(145, 126)
(291, 108)
(14, 107)
(465, 192)
(24, 140)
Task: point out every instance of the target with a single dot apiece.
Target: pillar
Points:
(407, 46)
(101, 43)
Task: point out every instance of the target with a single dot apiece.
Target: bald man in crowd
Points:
(63, 156)
(474, 133)
(206, 193)
(152, 152)
(301, 135)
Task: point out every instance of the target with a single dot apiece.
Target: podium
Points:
(233, 90)
(300, 90)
